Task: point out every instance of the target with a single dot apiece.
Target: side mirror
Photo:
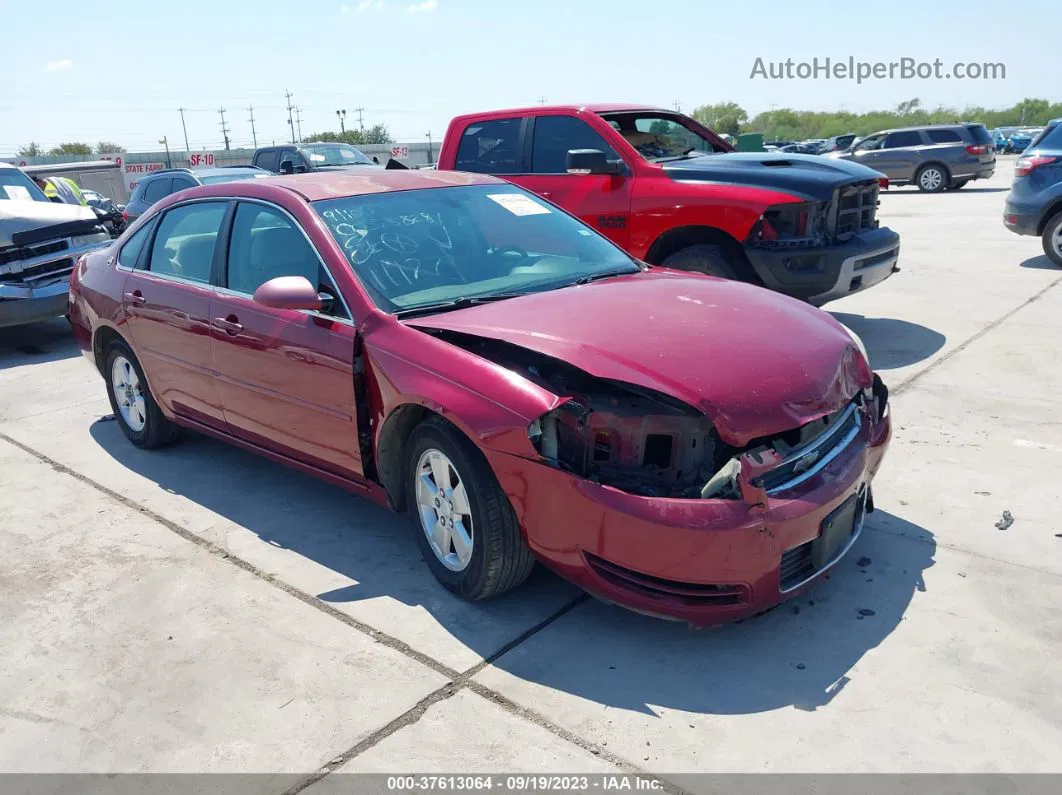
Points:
(592, 161)
(376, 160)
(286, 167)
(300, 169)
(288, 292)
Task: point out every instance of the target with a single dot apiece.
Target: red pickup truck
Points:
(672, 192)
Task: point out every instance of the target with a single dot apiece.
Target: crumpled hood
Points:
(809, 176)
(22, 215)
(755, 362)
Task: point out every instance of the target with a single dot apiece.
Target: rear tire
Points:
(932, 178)
(706, 258)
(1052, 239)
(135, 410)
(958, 184)
(474, 512)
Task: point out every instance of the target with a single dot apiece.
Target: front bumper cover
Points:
(823, 274)
(704, 562)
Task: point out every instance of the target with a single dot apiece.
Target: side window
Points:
(266, 244)
(269, 160)
(180, 183)
(130, 252)
(555, 135)
(157, 189)
(491, 147)
(870, 143)
(184, 244)
(944, 136)
(897, 139)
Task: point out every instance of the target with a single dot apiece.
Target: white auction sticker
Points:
(518, 204)
(16, 192)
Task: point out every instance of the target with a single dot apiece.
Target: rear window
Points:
(1051, 137)
(157, 189)
(979, 133)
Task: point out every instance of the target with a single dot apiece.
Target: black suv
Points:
(934, 157)
(160, 184)
(1034, 204)
(301, 158)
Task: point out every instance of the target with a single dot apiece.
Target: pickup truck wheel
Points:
(931, 178)
(703, 258)
(465, 525)
(958, 184)
(135, 410)
(1052, 238)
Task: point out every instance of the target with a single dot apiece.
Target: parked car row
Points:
(1034, 204)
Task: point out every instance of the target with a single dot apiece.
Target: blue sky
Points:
(120, 71)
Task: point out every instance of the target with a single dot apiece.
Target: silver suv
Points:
(934, 157)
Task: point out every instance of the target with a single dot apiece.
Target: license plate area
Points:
(837, 529)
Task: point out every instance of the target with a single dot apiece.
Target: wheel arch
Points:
(1054, 209)
(102, 337)
(680, 237)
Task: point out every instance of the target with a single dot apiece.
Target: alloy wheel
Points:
(1056, 240)
(444, 510)
(128, 394)
(931, 179)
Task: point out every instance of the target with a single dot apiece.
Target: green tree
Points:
(377, 134)
(32, 149)
(71, 149)
(723, 117)
(106, 147)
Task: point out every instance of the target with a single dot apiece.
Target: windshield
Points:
(334, 155)
(660, 136)
(422, 247)
(16, 186)
(231, 177)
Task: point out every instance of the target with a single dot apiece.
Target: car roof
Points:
(592, 107)
(220, 171)
(319, 185)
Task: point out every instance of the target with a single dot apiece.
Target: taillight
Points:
(125, 215)
(980, 149)
(1027, 164)
(883, 183)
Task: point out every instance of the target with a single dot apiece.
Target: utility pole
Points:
(165, 142)
(342, 116)
(678, 106)
(298, 122)
(541, 100)
(291, 121)
(186, 148)
(254, 137)
(224, 129)
(431, 155)
(361, 121)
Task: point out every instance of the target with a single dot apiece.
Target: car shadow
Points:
(36, 343)
(893, 343)
(800, 654)
(1042, 262)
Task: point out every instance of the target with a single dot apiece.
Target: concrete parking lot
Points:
(200, 609)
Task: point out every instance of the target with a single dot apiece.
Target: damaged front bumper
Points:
(706, 561)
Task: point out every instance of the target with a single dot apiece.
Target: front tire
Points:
(466, 528)
(135, 410)
(931, 178)
(1052, 239)
(706, 258)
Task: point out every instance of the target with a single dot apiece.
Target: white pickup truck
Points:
(40, 242)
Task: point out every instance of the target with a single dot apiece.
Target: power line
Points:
(224, 129)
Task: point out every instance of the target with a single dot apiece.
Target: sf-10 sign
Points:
(399, 151)
(196, 159)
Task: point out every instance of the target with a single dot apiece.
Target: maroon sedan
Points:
(453, 346)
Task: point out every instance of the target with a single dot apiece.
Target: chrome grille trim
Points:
(827, 439)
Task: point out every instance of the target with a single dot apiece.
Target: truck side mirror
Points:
(300, 169)
(286, 167)
(592, 161)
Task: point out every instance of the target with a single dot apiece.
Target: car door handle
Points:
(546, 194)
(230, 325)
(135, 297)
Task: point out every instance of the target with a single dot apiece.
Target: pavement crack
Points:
(902, 387)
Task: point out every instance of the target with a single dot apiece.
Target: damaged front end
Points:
(648, 444)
